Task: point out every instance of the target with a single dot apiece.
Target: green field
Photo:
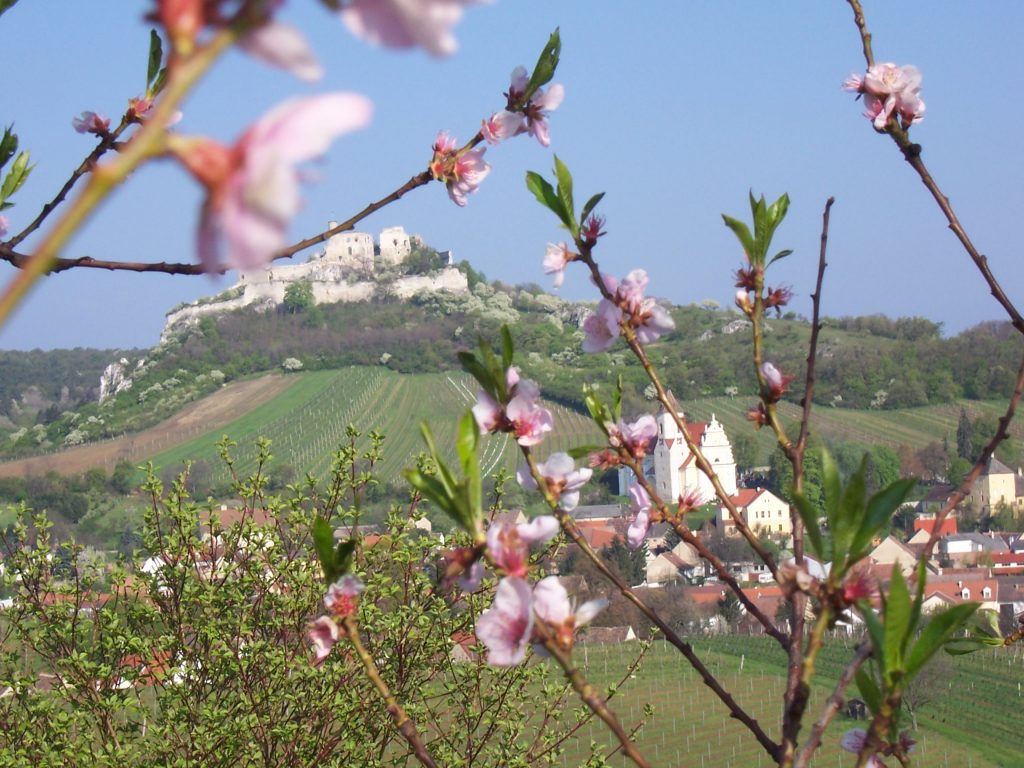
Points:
(308, 422)
(977, 725)
(915, 427)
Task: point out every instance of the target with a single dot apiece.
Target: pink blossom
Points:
(461, 173)
(552, 605)
(529, 420)
(641, 521)
(323, 633)
(691, 498)
(889, 89)
(537, 108)
(592, 229)
(182, 19)
(470, 579)
(561, 477)
(487, 412)
(91, 122)
(253, 187)
(342, 596)
(636, 437)
(282, 45)
(3, 225)
(501, 125)
(468, 173)
(406, 23)
(140, 105)
(853, 741)
(505, 627)
(537, 111)
(649, 319)
(510, 544)
(556, 258)
(774, 380)
(601, 328)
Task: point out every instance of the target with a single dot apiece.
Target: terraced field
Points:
(308, 422)
(977, 725)
(915, 427)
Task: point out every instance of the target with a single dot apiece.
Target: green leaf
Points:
(158, 84)
(6, 5)
(8, 145)
(466, 447)
(832, 491)
(939, 630)
(868, 690)
(343, 557)
(590, 205)
(777, 212)
(507, 347)
(809, 515)
(472, 366)
(742, 232)
(444, 474)
(880, 509)
(17, 176)
(779, 255)
(897, 623)
(564, 178)
(617, 398)
(875, 631)
(547, 197)
(546, 65)
(323, 543)
(849, 512)
(156, 55)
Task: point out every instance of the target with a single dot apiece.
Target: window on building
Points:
(986, 593)
(965, 594)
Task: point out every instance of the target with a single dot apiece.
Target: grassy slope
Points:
(975, 725)
(308, 422)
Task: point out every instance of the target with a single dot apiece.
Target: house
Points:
(596, 512)
(927, 509)
(996, 485)
(894, 553)
(761, 509)
(971, 548)
(678, 563)
(951, 586)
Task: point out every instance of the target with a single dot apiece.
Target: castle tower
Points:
(351, 249)
(394, 246)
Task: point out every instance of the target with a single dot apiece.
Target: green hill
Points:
(308, 422)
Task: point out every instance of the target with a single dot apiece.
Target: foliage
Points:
(210, 629)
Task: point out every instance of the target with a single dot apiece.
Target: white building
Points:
(675, 470)
(762, 511)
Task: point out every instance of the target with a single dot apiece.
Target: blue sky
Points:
(674, 109)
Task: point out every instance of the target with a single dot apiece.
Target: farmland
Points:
(975, 724)
(309, 420)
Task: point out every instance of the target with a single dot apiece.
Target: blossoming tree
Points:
(251, 191)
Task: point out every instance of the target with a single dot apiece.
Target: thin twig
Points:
(403, 722)
(831, 708)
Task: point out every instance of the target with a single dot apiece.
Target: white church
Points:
(674, 471)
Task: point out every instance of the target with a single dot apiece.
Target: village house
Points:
(676, 472)
(973, 548)
(997, 485)
(761, 509)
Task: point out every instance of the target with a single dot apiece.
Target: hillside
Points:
(891, 382)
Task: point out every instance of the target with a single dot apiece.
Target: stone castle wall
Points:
(345, 271)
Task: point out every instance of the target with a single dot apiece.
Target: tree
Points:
(964, 447)
(928, 686)
(298, 297)
(630, 563)
(730, 609)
